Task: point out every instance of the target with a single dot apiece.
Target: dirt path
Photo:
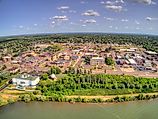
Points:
(110, 96)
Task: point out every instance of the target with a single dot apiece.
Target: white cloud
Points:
(90, 21)
(53, 22)
(91, 13)
(137, 22)
(21, 26)
(102, 2)
(109, 19)
(116, 28)
(63, 8)
(72, 23)
(148, 2)
(72, 11)
(153, 3)
(62, 18)
(35, 24)
(119, 1)
(113, 2)
(124, 20)
(110, 26)
(110, 3)
(84, 25)
(151, 19)
(114, 5)
(116, 8)
(83, 2)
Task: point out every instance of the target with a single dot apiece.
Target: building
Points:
(26, 80)
(14, 70)
(54, 58)
(132, 62)
(97, 61)
(7, 58)
(150, 53)
(66, 57)
(53, 77)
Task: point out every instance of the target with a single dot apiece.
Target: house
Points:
(75, 51)
(7, 58)
(66, 57)
(150, 53)
(26, 80)
(132, 62)
(54, 58)
(97, 61)
(14, 70)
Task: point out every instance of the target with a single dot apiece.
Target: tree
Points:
(55, 70)
(87, 60)
(109, 61)
(45, 76)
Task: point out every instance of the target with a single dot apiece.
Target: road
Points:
(5, 85)
(78, 61)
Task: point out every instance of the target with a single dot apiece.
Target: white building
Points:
(97, 61)
(132, 61)
(26, 80)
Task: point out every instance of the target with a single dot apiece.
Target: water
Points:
(50, 110)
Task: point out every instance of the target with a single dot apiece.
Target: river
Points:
(50, 110)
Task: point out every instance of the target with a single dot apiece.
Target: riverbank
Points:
(9, 99)
(110, 96)
(87, 88)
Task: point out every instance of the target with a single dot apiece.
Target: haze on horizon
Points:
(60, 16)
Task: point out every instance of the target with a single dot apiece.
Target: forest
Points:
(98, 84)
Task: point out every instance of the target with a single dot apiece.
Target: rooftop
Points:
(26, 77)
(151, 52)
(97, 58)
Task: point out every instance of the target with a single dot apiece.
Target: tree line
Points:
(98, 84)
(21, 44)
(59, 98)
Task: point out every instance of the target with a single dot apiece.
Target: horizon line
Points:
(49, 33)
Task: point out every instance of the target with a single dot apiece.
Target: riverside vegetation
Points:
(88, 84)
(60, 98)
(98, 84)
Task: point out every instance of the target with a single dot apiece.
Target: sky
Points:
(19, 17)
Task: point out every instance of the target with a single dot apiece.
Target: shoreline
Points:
(81, 103)
(82, 99)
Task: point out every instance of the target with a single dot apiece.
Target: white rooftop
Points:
(132, 61)
(151, 52)
(97, 58)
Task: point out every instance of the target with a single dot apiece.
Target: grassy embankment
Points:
(102, 87)
(91, 89)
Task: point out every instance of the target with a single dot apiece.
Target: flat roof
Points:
(151, 52)
(132, 61)
(97, 58)
(26, 77)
